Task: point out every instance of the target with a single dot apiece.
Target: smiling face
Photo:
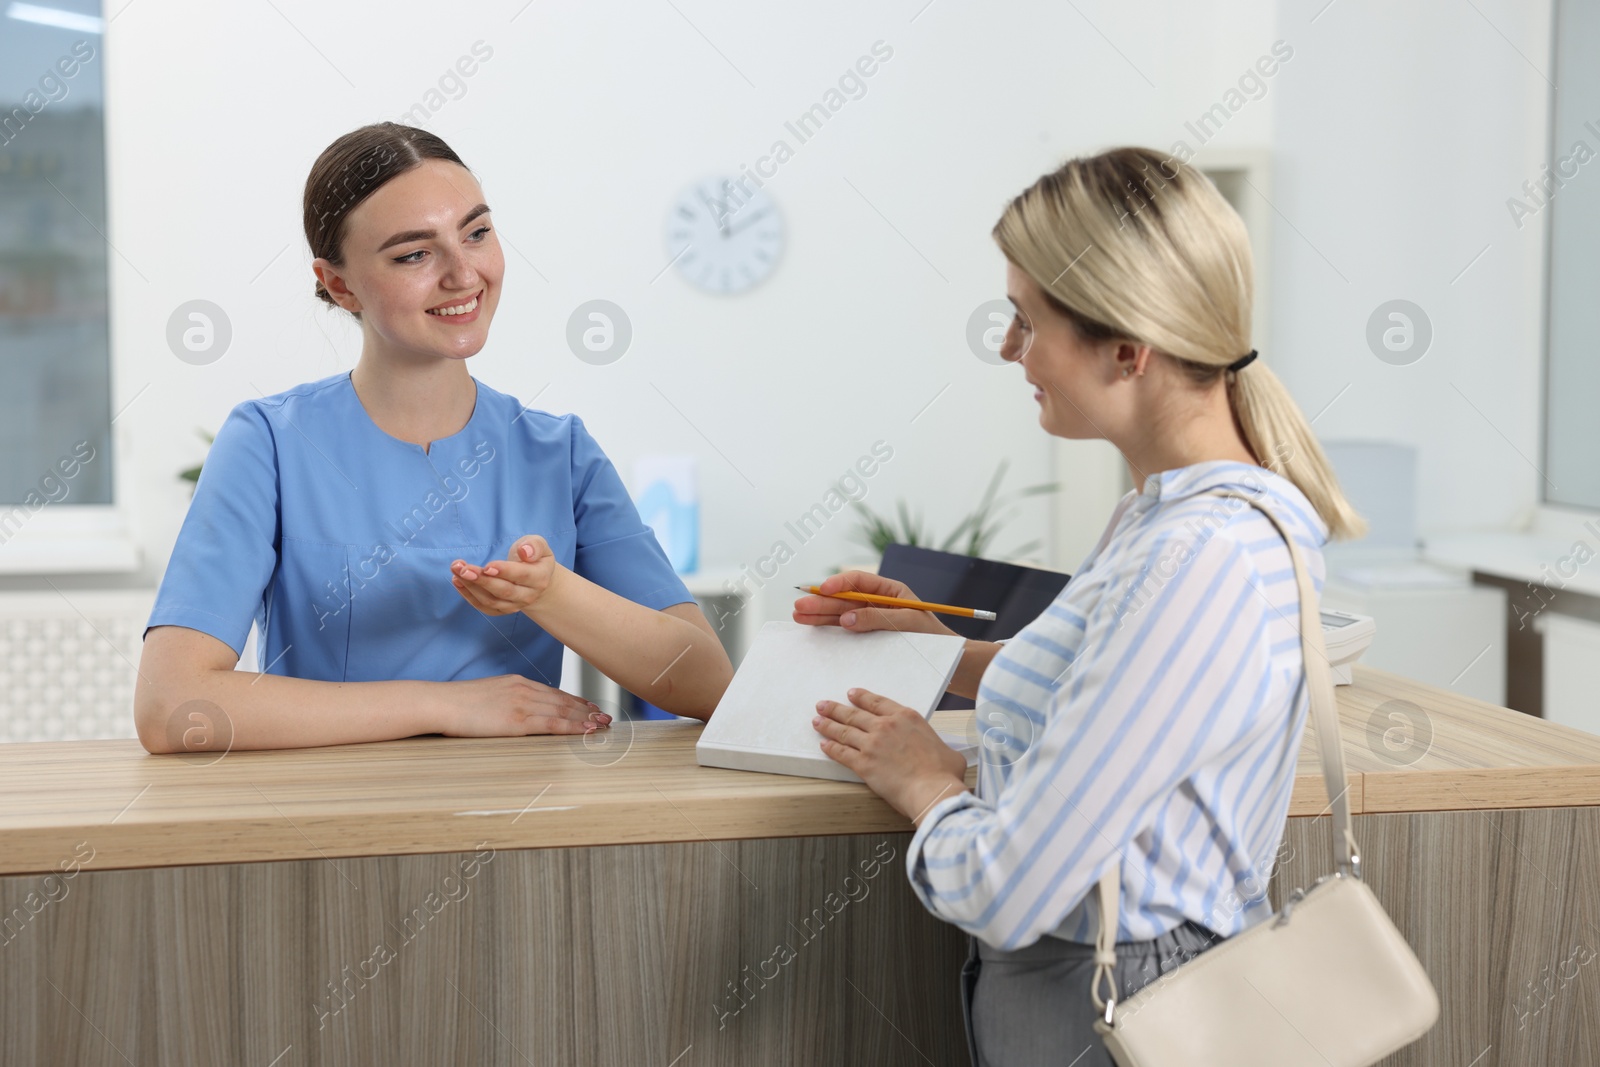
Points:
(419, 247)
(1076, 382)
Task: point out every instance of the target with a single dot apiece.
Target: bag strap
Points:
(1325, 719)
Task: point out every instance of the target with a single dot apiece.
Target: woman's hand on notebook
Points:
(814, 610)
(892, 748)
(501, 587)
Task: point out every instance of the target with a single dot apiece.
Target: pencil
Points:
(901, 602)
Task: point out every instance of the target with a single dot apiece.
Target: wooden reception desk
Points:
(543, 900)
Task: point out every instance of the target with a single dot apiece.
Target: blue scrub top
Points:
(336, 538)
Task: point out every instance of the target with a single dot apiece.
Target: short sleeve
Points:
(227, 547)
(615, 547)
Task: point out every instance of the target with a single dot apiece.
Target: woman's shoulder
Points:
(1197, 508)
(322, 392)
(529, 423)
(544, 438)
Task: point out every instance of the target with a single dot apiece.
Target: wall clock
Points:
(724, 235)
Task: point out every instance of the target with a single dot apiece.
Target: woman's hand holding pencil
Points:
(904, 602)
(824, 609)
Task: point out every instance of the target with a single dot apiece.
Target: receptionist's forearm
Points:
(975, 659)
(224, 710)
(671, 662)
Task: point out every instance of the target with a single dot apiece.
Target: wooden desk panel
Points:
(790, 951)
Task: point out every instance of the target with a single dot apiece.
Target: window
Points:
(57, 470)
(1565, 196)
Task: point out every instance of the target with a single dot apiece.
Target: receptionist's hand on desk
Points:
(813, 610)
(510, 705)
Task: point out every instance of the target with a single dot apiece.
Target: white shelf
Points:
(1521, 557)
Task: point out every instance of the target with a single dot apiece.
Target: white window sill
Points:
(59, 539)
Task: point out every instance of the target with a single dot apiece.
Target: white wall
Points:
(1400, 132)
(1397, 134)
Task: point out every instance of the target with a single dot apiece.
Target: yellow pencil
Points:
(901, 602)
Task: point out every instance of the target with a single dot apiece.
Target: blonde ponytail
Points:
(1282, 440)
(1134, 244)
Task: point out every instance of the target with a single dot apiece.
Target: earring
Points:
(1127, 372)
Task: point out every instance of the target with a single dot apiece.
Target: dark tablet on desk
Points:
(1017, 595)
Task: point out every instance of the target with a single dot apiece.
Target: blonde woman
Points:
(1150, 718)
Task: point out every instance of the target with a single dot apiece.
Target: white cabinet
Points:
(1451, 636)
(1571, 671)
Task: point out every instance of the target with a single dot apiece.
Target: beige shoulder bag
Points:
(1328, 981)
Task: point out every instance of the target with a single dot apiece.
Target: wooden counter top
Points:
(1479, 756)
(1409, 747)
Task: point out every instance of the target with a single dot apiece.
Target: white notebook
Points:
(764, 720)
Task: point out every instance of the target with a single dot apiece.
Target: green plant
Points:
(972, 536)
(192, 475)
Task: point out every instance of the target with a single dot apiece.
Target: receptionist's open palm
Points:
(501, 587)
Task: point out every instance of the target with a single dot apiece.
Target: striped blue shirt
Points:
(1151, 716)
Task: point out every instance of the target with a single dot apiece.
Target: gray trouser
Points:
(1031, 1007)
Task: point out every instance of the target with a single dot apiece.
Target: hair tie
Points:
(1242, 362)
